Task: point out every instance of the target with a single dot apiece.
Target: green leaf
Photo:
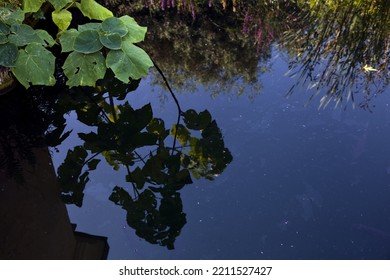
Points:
(111, 41)
(129, 62)
(23, 34)
(3, 39)
(11, 17)
(4, 29)
(84, 69)
(136, 33)
(32, 6)
(90, 26)
(87, 42)
(46, 39)
(8, 54)
(67, 39)
(35, 65)
(62, 18)
(94, 10)
(59, 4)
(115, 26)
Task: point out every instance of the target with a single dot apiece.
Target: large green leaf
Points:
(8, 54)
(59, 4)
(62, 18)
(84, 69)
(87, 42)
(23, 34)
(34, 65)
(129, 62)
(32, 6)
(136, 33)
(114, 25)
(94, 10)
(67, 38)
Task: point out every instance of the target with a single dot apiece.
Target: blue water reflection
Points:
(304, 183)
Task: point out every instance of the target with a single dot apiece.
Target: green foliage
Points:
(93, 10)
(94, 47)
(62, 19)
(84, 69)
(34, 65)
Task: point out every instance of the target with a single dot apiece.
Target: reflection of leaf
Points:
(92, 164)
(182, 133)
(157, 127)
(71, 180)
(155, 210)
(196, 121)
(158, 223)
(137, 177)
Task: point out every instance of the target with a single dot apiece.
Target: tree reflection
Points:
(336, 48)
(223, 48)
(343, 50)
(156, 168)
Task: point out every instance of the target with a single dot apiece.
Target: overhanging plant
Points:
(93, 47)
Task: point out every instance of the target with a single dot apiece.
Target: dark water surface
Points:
(304, 183)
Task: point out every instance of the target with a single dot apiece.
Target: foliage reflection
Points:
(156, 168)
(343, 50)
(338, 48)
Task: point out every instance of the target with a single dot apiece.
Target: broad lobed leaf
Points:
(34, 65)
(84, 69)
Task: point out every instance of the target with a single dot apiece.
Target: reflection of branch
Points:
(91, 158)
(136, 192)
(100, 108)
(174, 98)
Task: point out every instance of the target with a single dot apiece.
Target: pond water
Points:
(304, 182)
